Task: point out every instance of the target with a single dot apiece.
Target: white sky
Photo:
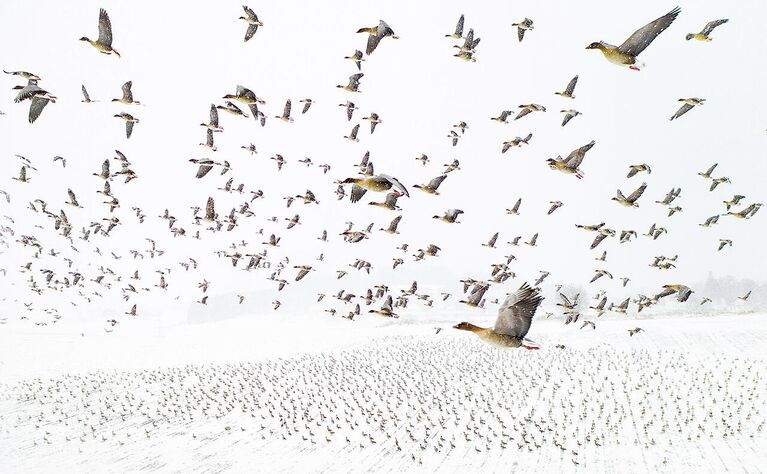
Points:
(183, 57)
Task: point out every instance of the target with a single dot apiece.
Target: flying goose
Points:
(104, 42)
(554, 206)
(458, 33)
(376, 34)
(285, 117)
(357, 58)
(432, 186)
(528, 108)
(631, 200)
(86, 97)
(705, 33)
(707, 174)
(569, 115)
(570, 164)
(354, 83)
(568, 92)
(253, 22)
(626, 54)
(518, 141)
(379, 183)
(689, 103)
(634, 169)
(514, 319)
(130, 120)
(213, 124)
(522, 26)
(450, 216)
(392, 229)
(127, 97)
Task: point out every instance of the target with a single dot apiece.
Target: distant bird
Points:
(745, 297)
(130, 120)
(458, 33)
(631, 200)
(522, 26)
(568, 92)
(554, 206)
(705, 33)
(717, 181)
(450, 216)
(379, 183)
(354, 83)
(253, 22)
(353, 134)
(392, 229)
(86, 97)
(514, 319)
(104, 42)
(635, 331)
(734, 201)
(386, 309)
(374, 120)
(307, 103)
(570, 165)
(285, 117)
(491, 243)
(213, 124)
(127, 97)
(528, 108)
(634, 169)
(432, 186)
(357, 58)
(687, 106)
(626, 54)
(723, 243)
(682, 292)
(516, 142)
(376, 34)
(707, 174)
(303, 270)
(569, 115)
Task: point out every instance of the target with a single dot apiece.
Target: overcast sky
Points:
(182, 57)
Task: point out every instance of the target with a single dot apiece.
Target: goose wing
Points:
(105, 28)
(641, 38)
(516, 313)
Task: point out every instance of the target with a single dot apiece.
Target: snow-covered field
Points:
(322, 394)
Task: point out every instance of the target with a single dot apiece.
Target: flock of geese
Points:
(78, 241)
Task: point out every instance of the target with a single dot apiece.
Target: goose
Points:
(303, 270)
(253, 22)
(518, 141)
(86, 97)
(307, 104)
(522, 26)
(634, 169)
(376, 34)
(127, 97)
(626, 54)
(285, 117)
(350, 108)
(392, 229)
(515, 209)
(514, 319)
(450, 216)
(130, 120)
(568, 92)
(213, 124)
(705, 33)
(379, 183)
(458, 33)
(354, 83)
(687, 106)
(374, 120)
(723, 243)
(386, 309)
(232, 109)
(707, 174)
(554, 206)
(529, 108)
(104, 42)
(353, 134)
(570, 165)
(432, 186)
(569, 115)
(357, 58)
(390, 202)
(631, 200)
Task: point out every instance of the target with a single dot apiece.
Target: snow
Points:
(318, 394)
